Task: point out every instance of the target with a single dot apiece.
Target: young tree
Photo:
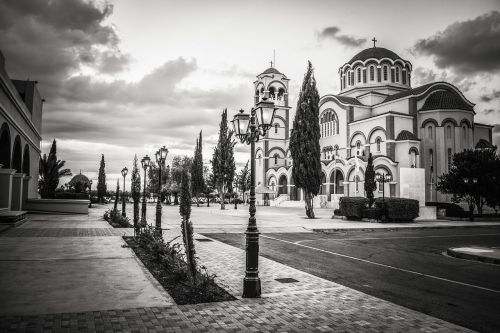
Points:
(244, 180)
(50, 171)
(197, 181)
(179, 164)
(370, 184)
(187, 226)
(136, 191)
(304, 141)
(223, 166)
(209, 184)
(101, 181)
(469, 178)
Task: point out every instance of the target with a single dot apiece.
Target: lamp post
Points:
(470, 182)
(383, 178)
(124, 174)
(90, 193)
(145, 162)
(249, 129)
(161, 156)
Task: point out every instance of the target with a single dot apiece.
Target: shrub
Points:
(337, 212)
(398, 209)
(116, 220)
(71, 195)
(452, 210)
(373, 213)
(352, 207)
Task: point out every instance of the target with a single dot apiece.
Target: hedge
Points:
(373, 213)
(399, 209)
(352, 207)
(452, 210)
(72, 195)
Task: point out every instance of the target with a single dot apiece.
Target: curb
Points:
(331, 230)
(468, 256)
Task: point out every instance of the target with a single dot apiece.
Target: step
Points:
(12, 217)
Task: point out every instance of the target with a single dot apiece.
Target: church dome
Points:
(406, 135)
(445, 100)
(271, 70)
(376, 53)
(82, 179)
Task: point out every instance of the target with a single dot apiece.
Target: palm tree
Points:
(51, 170)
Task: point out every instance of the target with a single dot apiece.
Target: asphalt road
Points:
(408, 268)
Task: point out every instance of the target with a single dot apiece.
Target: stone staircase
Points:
(12, 217)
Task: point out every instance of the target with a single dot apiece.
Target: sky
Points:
(125, 77)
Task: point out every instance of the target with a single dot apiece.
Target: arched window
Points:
(385, 73)
(413, 157)
(378, 140)
(431, 159)
(272, 92)
(397, 74)
(275, 158)
(336, 150)
(356, 180)
(448, 132)
(276, 128)
(429, 132)
(352, 77)
(364, 75)
(403, 76)
(343, 80)
(358, 147)
(359, 74)
(259, 157)
(372, 73)
(464, 131)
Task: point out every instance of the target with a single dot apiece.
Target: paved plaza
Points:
(73, 273)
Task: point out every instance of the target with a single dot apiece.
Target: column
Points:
(17, 191)
(6, 187)
(26, 183)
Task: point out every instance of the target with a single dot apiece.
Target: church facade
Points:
(378, 112)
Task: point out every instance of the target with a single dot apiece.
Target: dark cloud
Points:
(490, 111)
(422, 76)
(346, 40)
(489, 97)
(471, 46)
(49, 40)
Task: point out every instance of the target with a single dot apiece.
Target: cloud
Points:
(422, 76)
(489, 97)
(467, 47)
(346, 40)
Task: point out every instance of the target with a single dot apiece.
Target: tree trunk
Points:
(176, 199)
(309, 205)
(208, 200)
(221, 195)
(197, 201)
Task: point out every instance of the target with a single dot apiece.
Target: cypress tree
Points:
(187, 226)
(136, 191)
(197, 181)
(370, 184)
(117, 194)
(223, 165)
(101, 181)
(304, 141)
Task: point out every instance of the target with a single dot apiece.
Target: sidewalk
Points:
(489, 255)
(69, 273)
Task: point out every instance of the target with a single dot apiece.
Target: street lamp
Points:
(161, 156)
(124, 174)
(145, 162)
(383, 178)
(249, 129)
(90, 193)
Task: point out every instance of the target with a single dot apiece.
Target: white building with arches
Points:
(377, 111)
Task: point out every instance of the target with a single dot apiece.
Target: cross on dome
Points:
(374, 41)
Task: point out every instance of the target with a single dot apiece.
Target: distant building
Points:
(20, 136)
(377, 111)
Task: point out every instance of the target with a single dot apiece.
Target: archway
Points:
(322, 189)
(26, 160)
(5, 146)
(337, 178)
(283, 185)
(17, 156)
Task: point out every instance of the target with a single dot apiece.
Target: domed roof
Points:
(271, 70)
(406, 135)
(484, 144)
(79, 179)
(445, 99)
(374, 52)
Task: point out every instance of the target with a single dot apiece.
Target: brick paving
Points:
(311, 304)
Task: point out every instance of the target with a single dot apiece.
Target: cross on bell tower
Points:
(374, 41)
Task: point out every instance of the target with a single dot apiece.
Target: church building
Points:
(377, 111)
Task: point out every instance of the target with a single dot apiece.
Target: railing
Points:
(276, 99)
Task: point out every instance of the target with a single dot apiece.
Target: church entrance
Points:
(337, 178)
(283, 185)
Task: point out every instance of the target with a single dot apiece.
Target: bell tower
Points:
(271, 151)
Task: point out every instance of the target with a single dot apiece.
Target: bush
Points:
(71, 195)
(373, 213)
(337, 212)
(115, 218)
(398, 209)
(352, 207)
(452, 210)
